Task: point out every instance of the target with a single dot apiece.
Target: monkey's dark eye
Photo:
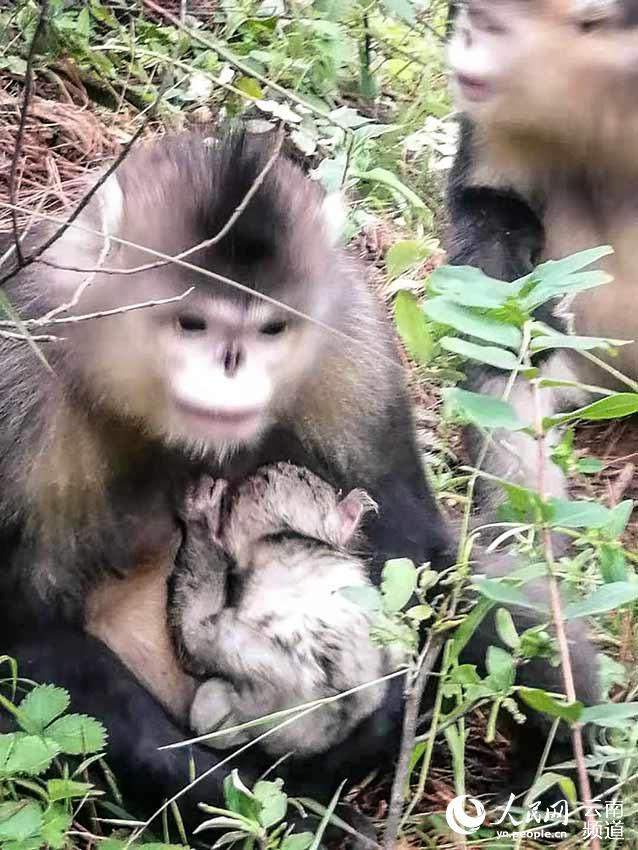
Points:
(274, 328)
(191, 324)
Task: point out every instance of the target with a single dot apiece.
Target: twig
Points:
(559, 624)
(415, 690)
(212, 276)
(206, 243)
(115, 311)
(37, 252)
(28, 87)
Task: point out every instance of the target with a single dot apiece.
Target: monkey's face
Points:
(553, 68)
(207, 372)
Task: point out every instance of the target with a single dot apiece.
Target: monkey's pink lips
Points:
(473, 89)
(214, 416)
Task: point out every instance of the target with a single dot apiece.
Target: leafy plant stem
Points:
(559, 623)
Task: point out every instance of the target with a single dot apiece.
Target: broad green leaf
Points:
(576, 343)
(405, 255)
(56, 822)
(568, 514)
(402, 9)
(589, 466)
(249, 86)
(500, 358)
(222, 823)
(365, 596)
(505, 594)
(398, 583)
(77, 734)
(468, 286)
(19, 821)
(506, 629)
(481, 410)
(541, 701)
(612, 407)
(612, 714)
(621, 515)
(273, 801)
(609, 597)
(551, 270)
(568, 286)
(500, 666)
(613, 564)
(465, 674)
(29, 755)
(471, 323)
(228, 838)
(41, 706)
(413, 328)
(297, 841)
(67, 789)
(240, 799)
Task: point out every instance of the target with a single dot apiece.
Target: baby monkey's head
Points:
(283, 498)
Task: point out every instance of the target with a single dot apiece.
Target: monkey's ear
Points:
(335, 212)
(351, 510)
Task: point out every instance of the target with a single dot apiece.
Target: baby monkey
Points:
(256, 609)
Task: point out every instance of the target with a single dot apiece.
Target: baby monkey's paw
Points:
(203, 503)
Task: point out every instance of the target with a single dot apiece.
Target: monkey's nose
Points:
(231, 359)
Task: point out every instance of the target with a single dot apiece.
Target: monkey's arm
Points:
(493, 229)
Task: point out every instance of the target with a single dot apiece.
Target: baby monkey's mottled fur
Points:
(284, 635)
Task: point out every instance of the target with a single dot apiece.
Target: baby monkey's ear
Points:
(350, 512)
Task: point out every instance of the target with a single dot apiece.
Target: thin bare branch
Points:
(15, 159)
(361, 345)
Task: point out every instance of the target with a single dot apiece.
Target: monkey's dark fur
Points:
(96, 456)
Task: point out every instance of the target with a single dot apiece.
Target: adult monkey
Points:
(96, 458)
(547, 166)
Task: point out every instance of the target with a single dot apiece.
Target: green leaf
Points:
(500, 358)
(575, 343)
(67, 789)
(19, 821)
(505, 594)
(273, 801)
(419, 613)
(41, 706)
(398, 583)
(402, 9)
(405, 255)
(541, 701)
(480, 410)
(249, 86)
(387, 178)
(413, 328)
(552, 270)
(611, 407)
(223, 823)
(465, 674)
(55, 825)
(547, 781)
(613, 564)
(621, 515)
(77, 734)
(500, 666)
(297, 841)
(506, 629)
(470, 323)
(568, 514)
(83, 23)
(609, 597)
(240, 799)
(470, 287)
(365, 596)
(589, 466)
(29, 755)
(611, 714)
(463, 634)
